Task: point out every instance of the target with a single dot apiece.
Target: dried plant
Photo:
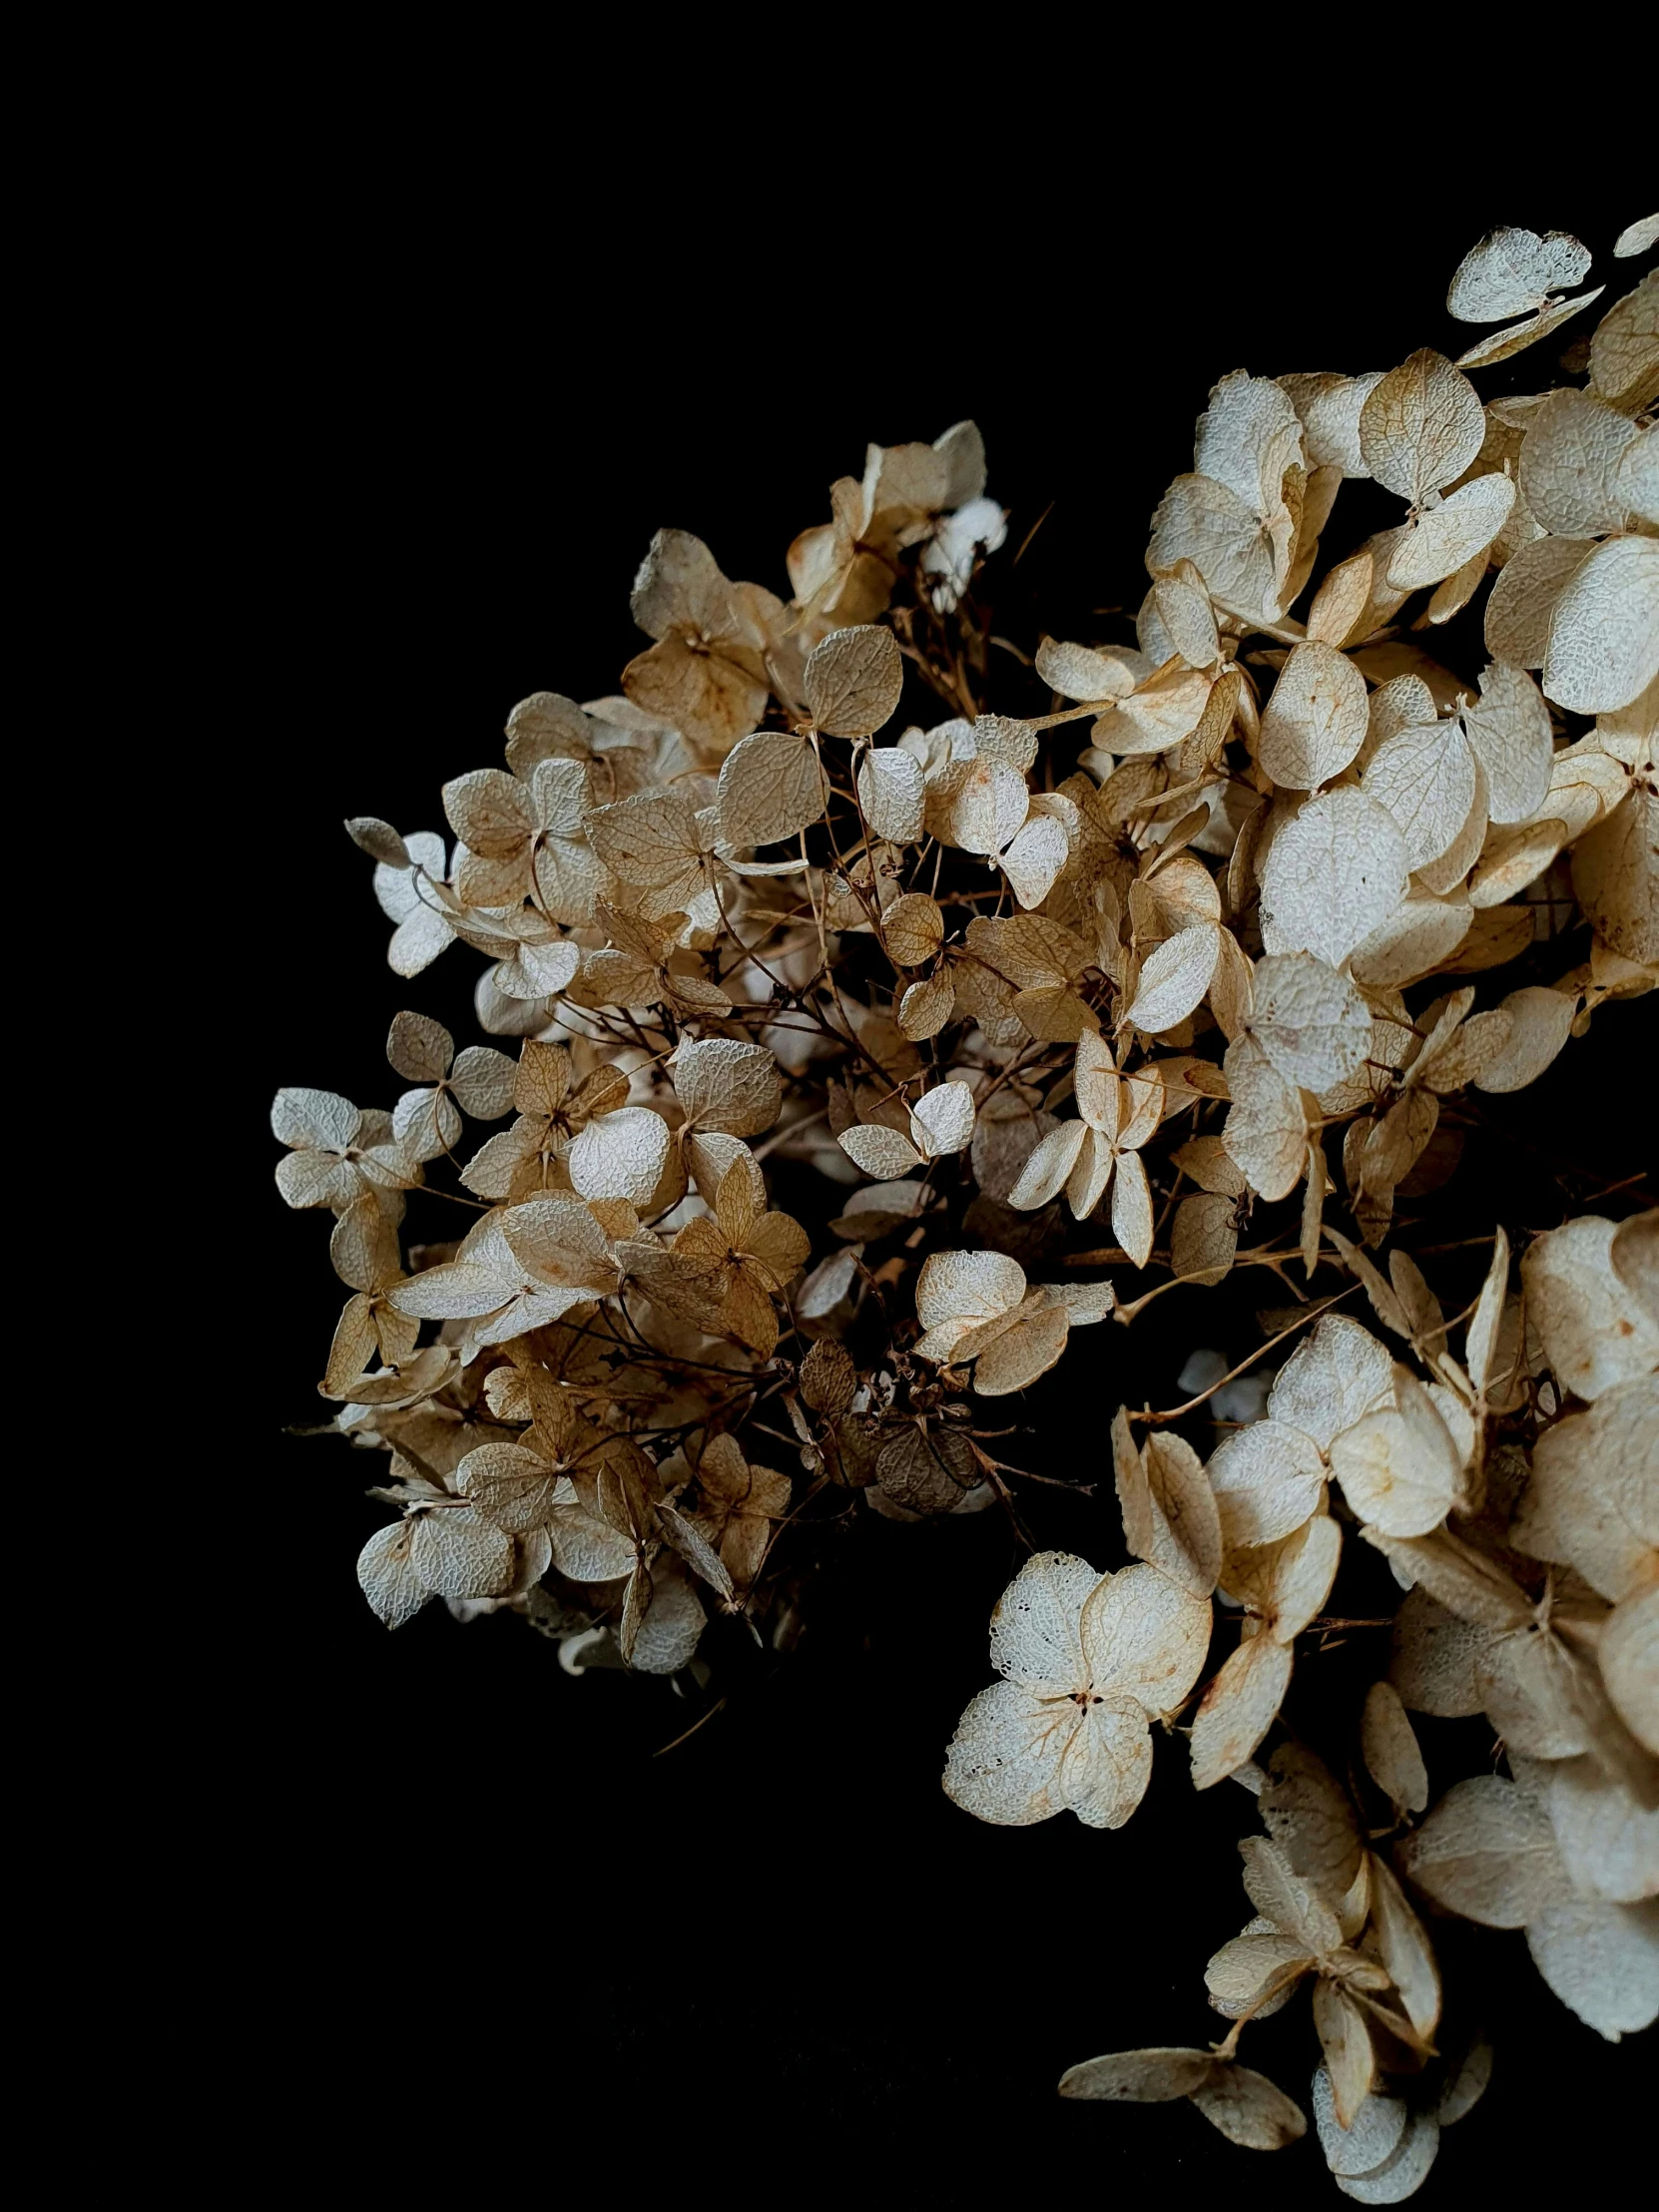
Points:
(1042, 1023)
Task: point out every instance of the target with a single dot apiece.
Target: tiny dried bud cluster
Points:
(1031, 1011)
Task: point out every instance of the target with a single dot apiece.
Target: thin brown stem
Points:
(1173, 1412)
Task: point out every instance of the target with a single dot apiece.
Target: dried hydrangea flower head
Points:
(873, 1009)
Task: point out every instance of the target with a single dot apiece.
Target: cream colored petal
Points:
(1444, 538)
(1051, 1162)
(1400, 1467)
(968, 1287)
(1595, 1333)
(1132, 1223)
(1239, 1708)
(1174, 978)
(1603, 647)
(1487, 1853)
(1145, 1637)
(1331, 874)
(1107, 1766)
(1315, 723)
(1003, 1763)
(1602, 1962)
(881, 1152)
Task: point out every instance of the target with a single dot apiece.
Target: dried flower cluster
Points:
(1238, 960)
(1526, 1536)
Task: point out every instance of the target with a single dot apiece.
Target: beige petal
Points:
(1615, 874)
(1139, 2076)
(914, 928)
(1603, 647)
(1513, 858)
(1422, 426)
(1048, 1167)
(943, 1119)
(1400, 1467)
(1003, 1763)
(1079, 672)
(892, 797)
(386, 1574)
(1444, 538)
(621, 1154)
(314, 1119)
(1335, 872)
(881, 1152)
(1016, 1358)
(1249, 2110)
(1201, 520)
(1487, 1853)
(1390, 1746)
(1308, 1019)
(1608, 1838)
(1184, 609)
(1629, 1655)
(1540, 1021)
(1004, 1137)
(1523, 599)
(1145, 1636)
(1169, 1512)
(1204, 1237)
(771, 785)
(1372, 2138)
(1404, 1948)
(1501, 345)
(420, 1048)
(1107, 1766)
(985, 803)
(1570, 460)
(1635, 1256)
(1480, 1346)
(1039, 851)
(927, 1006)
(1414, 940)
(1286, 1583)
(1433, 1660)
(1285, 1899)
(1244, 1968)
(490, 811)
(1132, 1223)
(1315, 723)
(1624, 354)
(1595, 1333)
(1238, 1709)
(1513, 270)
(968, 1286)
(1602, 1962)
(1268, 1480)
(1265, 1132)
(669, 1626)
(1425, 779)
(852, 681)
(456, 1553)
(1036, 1633)
(1349, 2060)
(1338, 1373)
(1329, 406)
(728, 1085)
(1174, 978)
(1584, 1469)
(1343, 599)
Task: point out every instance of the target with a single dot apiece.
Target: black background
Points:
(513, 1937)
